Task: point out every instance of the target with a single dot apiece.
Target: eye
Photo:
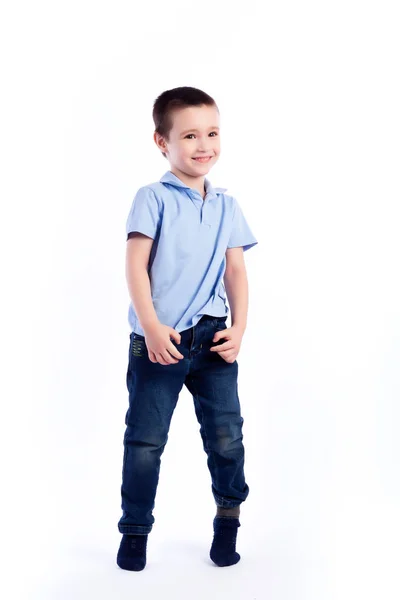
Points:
(189, 134)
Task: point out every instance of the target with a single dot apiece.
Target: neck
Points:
(196, 183)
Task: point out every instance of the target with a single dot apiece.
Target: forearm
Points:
(237, 291)
(140, 293)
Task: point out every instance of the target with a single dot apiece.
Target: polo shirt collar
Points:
(172, 179)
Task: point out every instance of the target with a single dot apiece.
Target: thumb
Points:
(175, 335)
(218, 335)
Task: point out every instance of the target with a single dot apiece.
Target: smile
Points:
(203, 159)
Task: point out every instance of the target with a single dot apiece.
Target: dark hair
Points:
(170, 100)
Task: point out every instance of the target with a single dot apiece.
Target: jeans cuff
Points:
(226, 503)
(134, 529)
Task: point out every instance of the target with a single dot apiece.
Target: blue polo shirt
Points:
(187, 261)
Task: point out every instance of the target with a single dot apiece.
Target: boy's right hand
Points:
(159, 345)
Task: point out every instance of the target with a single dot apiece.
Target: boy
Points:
(185, 240)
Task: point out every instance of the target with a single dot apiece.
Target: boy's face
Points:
(195, 133)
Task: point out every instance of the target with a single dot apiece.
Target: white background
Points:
(309, 99)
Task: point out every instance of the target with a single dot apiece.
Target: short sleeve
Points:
(144, 215)
(241, 234)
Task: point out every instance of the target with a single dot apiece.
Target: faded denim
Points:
(153, 393)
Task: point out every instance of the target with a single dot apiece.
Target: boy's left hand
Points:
(230, 349)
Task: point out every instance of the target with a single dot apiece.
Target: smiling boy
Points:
(185, 246)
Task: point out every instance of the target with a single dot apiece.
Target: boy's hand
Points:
(159, 345)
(230, 349)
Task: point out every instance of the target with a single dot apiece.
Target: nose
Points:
(205, 145)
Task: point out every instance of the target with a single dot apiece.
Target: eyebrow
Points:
(188, 130)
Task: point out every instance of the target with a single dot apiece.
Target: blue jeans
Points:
(153, 393)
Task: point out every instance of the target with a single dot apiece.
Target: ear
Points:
(159, 141)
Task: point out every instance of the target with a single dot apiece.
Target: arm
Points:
(138, 248)
(158, 342)
(236, 285)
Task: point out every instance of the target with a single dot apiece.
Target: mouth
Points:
(202, 159)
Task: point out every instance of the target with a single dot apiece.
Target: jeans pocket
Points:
(220, 324)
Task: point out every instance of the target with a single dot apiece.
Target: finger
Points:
(227, 354)
(160, 359)
(174, 351)
(230, 358)
(168, 358)
(217, 338)
(152, 357)
(172, 337)
(223, 333)
(223, 347)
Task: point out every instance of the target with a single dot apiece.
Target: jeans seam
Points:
(205, 433)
